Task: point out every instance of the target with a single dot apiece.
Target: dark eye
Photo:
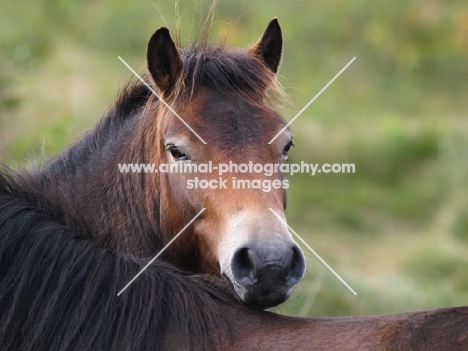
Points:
(176, 153)
(287, 148)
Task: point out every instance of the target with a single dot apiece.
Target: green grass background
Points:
(397, 229)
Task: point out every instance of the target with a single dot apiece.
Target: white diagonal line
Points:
(312, 250)
(311, 101)
(160, 252)
(161, 99)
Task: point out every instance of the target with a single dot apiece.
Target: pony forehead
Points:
(229, 71)
(226, 124)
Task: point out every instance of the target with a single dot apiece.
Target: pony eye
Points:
(286, 148)
(176, 153)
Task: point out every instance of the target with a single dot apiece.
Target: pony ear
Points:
(163, 59)
(270, 46)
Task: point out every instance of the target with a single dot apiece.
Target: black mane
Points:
(58, 290)
(226, 70)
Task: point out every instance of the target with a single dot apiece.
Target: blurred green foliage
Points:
(397, 229)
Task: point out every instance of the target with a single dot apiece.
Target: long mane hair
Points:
(58, 289)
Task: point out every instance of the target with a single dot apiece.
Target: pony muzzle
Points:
(264, 277)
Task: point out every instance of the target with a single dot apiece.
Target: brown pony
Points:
(76, 231)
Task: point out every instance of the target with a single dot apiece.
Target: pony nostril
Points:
(242, 267)
(283, 267)
(297, 269)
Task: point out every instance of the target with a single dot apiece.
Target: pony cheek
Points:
(208, 230)
(175, 190)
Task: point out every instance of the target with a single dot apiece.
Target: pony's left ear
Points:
(270, 46)
(163, 59)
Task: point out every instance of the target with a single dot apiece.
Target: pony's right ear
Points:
(163, 59)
